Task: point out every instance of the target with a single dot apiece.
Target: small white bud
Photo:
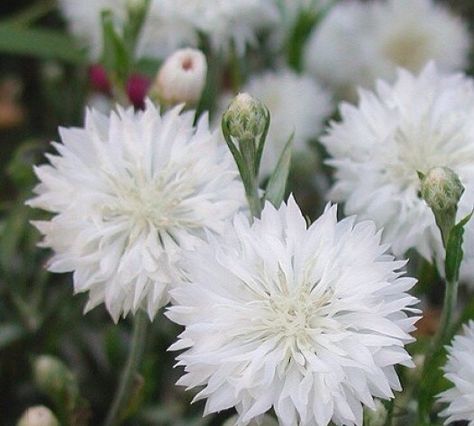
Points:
(38, 416)
(181, 78)
(441, 188)
(246, 117)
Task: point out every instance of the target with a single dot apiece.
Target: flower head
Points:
(38, 416)
(129, 193)
(459, 370)
(359, 42)
(280, 315)
(182, 77)
(416, 124)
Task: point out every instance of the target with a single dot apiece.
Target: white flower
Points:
(129, 193)
(460, 371)
(164, 30)
(360, 42)
(38, 416)
(182, 77)
(297, 104)
(229, 21)
(418, 123)
(309, 321)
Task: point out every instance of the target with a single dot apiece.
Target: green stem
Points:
(33, 13)
(123, 393)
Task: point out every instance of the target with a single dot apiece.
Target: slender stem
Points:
(122, 395)
(33, 13)
(449, 306)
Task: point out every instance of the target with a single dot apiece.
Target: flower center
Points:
(408, 49)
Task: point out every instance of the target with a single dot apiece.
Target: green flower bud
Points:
(246, 118)
(38, 416)
(376, 417)
(54, 379)
(442, 190)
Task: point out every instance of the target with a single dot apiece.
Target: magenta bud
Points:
(99, 79)
(137, 89)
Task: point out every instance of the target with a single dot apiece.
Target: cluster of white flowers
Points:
(359, 42)
(460, 371)
(171, 24)
(129, 193)
(307, 320)
(418, 123)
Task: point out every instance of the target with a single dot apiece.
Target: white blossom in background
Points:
(129, 193)
(357, 43)
(182, 77)
(309, 321)
(418, 123)
(228, 22)
(459, 370)
(298, 105)
(160, 35)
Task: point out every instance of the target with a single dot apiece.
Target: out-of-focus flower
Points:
(38, 416)
(297, 104)
(181, 78)
(164, 29)
(416, 124)
(308, 321)
(360, 42)
(459, 370)
(129, 193)
(137, 88)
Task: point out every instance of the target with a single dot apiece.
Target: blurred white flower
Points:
(459, 370)
(297, 104)
(228, 22)
(418, 123)
(129, 193)
(182, 77)
(38, 416)
(160, 35)
(171, 24)
(309, 321)
(360, 42)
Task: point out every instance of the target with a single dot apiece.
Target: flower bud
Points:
(181, 78)
(377, 417)
(38, 416)
(54, 379)
(441, 188)
(246, 118)
(137, 87)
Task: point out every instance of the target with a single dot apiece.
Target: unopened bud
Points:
(38, 416)
(246, 118)
(54, 379)
(376, 417)
(181, 78)
(441, 188)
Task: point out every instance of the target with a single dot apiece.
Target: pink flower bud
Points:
(137, 89)
(99, 79)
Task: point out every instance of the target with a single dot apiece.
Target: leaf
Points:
(454, 253)
(276, 187)
(39, 43)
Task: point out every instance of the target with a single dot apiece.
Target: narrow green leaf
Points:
(454, 252)
(275, 192)
(39, 43)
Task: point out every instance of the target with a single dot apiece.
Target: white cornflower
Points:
(416, 124)
(460, 371)
(309, 321)
(182, 77)
(129, 193)
(228, 22)
(360, 42)
(298, 105)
